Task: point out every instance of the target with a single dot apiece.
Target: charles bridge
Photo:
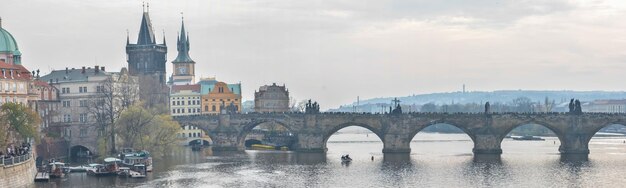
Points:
(487, 130)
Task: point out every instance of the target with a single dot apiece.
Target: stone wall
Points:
(18, 175)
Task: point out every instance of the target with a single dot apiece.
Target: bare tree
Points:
(113, 95)
(548, 105)
(523, 104)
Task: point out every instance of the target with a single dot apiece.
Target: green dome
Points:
(7, 42)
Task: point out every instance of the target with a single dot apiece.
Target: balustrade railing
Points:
(7, 162)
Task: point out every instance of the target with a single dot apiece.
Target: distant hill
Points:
(503, 96)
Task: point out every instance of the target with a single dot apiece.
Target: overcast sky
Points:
(333, 51)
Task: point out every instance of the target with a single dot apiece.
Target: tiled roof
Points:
(72, 75)
(178, 88)
(20, 72)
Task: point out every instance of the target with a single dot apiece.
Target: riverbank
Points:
(18, 172)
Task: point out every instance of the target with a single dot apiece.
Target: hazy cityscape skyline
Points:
(334, 51)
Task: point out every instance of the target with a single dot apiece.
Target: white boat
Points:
(130, 159)
(139, 171)
(81, 168)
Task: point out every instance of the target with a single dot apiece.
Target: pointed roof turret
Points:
(182, 45)
(164, 44)
(146, 35)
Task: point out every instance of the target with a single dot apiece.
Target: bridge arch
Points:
(457, 125)
(444, 139)
(558, 132)
(191, 133)
(247, 129)
(336, 128)
(597, 129)
(554, 129)
(78, 152)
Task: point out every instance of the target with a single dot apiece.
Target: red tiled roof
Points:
(178, 88)
(24, 74)
(41, 83)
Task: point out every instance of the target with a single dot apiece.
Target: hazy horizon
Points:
(333, 51)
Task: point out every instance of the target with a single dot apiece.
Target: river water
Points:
(436, 160)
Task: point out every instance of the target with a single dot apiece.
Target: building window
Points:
(83, 103)
(83, 118)
(82, 89)
(173, 103)
(213, 108)
(83, 132)
(177, 102)
(66, 104)
(67, 118)
(206, 108)
(65, 90)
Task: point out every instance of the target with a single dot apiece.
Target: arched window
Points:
(206, 108)
(213, 108)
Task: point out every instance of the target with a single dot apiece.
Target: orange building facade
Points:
(219, 99)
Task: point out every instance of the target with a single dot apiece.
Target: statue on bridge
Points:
(230, 109)
(397, 109)
(574, 107)
(312, 108)
(487, 108)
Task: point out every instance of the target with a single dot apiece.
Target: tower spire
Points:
(127, 38)
(182, 44)
(146, 34)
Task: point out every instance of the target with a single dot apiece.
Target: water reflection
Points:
(485, 170)
(531, 164)
(310, 158)
(395, 169)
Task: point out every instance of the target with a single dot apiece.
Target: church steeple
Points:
(182, 45)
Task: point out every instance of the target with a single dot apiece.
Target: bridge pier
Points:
(487, 144)
(575, 144)
(396, 144)
(226, 141)
(311, 143)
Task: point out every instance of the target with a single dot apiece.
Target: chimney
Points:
(83, 70)
(67, 70)
(102, 68)
(96, 69)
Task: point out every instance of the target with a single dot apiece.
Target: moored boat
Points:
(57, 170)
(81, 168)
(131, 158)
(528, 137)
(109, 168)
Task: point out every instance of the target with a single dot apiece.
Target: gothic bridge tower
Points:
(146, 57)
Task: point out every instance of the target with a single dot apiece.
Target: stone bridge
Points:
(487, 131)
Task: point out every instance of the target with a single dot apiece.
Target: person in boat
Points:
(343, 157)
(348, 157)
